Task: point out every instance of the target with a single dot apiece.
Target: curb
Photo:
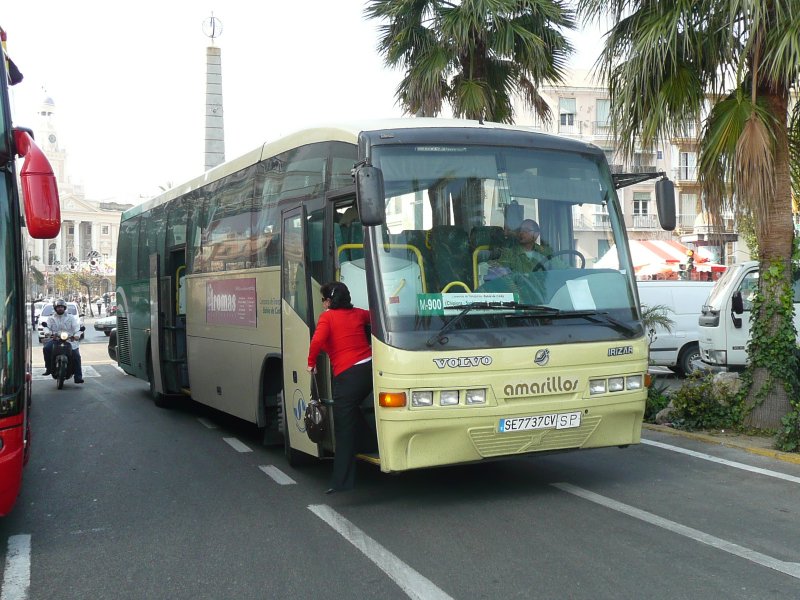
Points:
(789, 457)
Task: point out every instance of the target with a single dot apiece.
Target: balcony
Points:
(685, 173)
(601, 128)
(687, 134)
(645, 222)
(600, 220)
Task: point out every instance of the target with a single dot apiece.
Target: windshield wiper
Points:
(600, 317)
(467, 308)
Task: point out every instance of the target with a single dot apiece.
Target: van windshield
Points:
(721, 289)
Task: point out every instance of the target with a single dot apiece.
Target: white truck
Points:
(677, 349)
(725, 319)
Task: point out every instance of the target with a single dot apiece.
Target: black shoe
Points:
(330, 491)
(79, 381)
(48, 372)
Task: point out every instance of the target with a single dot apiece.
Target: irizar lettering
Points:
(620, 351)
(551, 385)
(462, 362)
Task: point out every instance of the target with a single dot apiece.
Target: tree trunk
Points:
(776, 245)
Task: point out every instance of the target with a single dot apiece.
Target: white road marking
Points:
(120, 369)
(789, 568)
(410, 581)
(279, 476)
(37, 373)
(237, 445)
(722, 461)
(17, 576)
(206, 423)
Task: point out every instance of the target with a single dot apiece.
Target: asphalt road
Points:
(125, 500)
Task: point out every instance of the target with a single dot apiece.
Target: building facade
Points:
(87, 242)
(581, 109)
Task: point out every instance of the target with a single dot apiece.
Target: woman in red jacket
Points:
(341, 333)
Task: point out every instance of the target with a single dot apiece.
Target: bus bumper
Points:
(413, 444)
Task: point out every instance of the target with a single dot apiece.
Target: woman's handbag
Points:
(316, 417)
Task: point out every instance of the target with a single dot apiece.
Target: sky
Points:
(128, 80)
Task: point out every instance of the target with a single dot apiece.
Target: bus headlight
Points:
(422, 398)
(476, 396)
(448, 398)
(597, 386)
(634, 382)
(616, 384)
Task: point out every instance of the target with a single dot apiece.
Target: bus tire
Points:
(295, 458)
(159, 399)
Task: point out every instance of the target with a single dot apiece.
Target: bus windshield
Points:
(493, 235)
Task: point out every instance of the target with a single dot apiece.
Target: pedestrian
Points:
(99, 305)
(342, 334)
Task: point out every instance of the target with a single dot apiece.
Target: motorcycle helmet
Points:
(60, 302)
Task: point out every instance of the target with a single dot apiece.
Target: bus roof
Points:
(341, 132)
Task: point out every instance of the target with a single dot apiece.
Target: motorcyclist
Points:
(56, 323)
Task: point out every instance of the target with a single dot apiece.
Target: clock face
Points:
(52, 138)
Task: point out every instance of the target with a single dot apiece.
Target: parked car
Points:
(105, 324)
(48, 310)
(677, 349)
(37, 307)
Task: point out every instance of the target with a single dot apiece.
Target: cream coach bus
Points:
(477, 353)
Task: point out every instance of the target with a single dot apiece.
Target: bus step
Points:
(372, 458)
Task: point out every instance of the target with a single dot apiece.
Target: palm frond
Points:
(753, 175)
(472, 52)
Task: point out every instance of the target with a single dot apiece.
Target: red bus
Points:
(43, 220)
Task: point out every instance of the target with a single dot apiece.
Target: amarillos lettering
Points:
(462, 362)
(551, 385)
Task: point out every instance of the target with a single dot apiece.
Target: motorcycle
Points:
(62, 366)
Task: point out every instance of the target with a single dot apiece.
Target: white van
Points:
(724, 331)
(677, 349)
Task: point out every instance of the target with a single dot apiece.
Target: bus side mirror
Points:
(665, 201)
(369, 195)
(39, 189)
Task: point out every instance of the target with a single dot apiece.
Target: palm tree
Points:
(474, 55)
(663, 61)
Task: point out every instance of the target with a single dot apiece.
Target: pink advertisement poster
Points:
(231, 302)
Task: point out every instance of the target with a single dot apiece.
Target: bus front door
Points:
(296, 326)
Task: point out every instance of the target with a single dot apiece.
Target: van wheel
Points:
(689, 359)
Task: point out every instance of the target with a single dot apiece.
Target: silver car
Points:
(106, 324)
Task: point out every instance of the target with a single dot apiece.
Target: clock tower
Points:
(47, 138)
